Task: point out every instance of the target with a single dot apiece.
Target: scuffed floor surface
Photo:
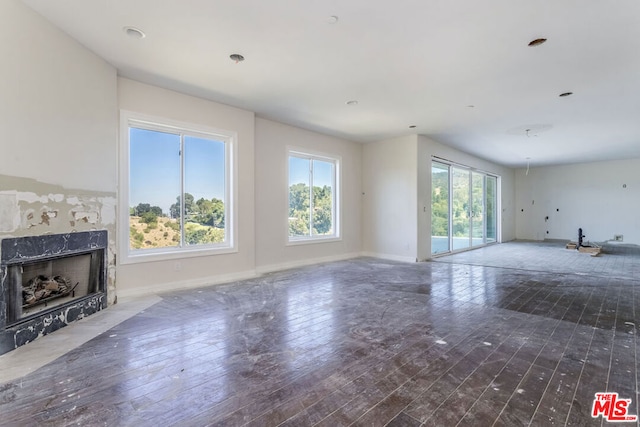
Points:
(362, 342)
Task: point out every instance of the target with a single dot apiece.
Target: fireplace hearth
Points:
(49, 281)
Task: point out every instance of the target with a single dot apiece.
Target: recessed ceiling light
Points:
(236, 57)
(537, 42)
(531, 128)
(565, 94)
(333, 19)
(470, 106)
(134, 32)
(352, 102)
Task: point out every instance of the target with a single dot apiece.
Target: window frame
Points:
(127, 255)
(336, 193)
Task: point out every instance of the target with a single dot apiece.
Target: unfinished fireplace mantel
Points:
(75, 261)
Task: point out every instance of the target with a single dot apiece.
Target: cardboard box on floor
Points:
(593, 250)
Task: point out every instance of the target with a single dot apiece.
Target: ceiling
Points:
(461, 71)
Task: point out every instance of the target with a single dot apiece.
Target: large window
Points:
(464, 211)
(177, 187)
(313, 201)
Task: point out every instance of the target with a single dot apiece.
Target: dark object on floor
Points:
(580, 237)
(588, 247)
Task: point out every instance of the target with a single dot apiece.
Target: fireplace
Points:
(49, 281)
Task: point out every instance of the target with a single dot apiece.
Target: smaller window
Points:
(313, 197)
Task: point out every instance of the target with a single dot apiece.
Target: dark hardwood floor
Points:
(363, 342)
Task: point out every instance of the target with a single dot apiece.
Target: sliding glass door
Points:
(439, 208)
(477, 209)
(492, 212)
(463, 208)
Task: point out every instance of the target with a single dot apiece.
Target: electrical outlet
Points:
(617, 237)
(177, 266)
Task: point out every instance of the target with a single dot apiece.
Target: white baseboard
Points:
(232, 277)
(184, 284)
(304, 262)
(389, 257)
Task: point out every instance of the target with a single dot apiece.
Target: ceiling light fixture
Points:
(412, 127)
(352, 103)
(236, 57)
(536, 42)
(333, 19)
(562, 95)
(134, 32)
(532, 129)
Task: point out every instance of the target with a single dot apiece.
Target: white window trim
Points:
(337, 212)
(125, 254)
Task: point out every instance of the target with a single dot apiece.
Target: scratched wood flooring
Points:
(359, 342)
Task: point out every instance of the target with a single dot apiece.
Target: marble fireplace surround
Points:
(16, 252)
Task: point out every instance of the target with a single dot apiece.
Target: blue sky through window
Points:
(204, 168)
(299, 172)
(155, 168)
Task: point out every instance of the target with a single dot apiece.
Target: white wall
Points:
(427, 149)
(588, 195)
(389, 175)
(162, 275)
(58, 132)
(272, 251)
(397, 203)
(57, 105)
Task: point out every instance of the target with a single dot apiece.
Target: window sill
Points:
(174, 255)
(312, 240)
